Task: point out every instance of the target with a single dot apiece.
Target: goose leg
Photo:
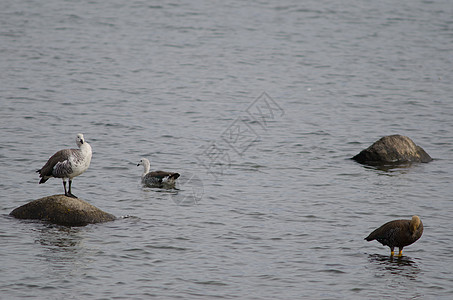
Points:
(64, 185)
(69, 192)
(392, 252)
(400, 253)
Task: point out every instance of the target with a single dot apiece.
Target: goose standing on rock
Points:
(67, 164)
(398, 233)
(156, 178)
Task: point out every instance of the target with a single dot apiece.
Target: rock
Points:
(62, 210)
(392, 149)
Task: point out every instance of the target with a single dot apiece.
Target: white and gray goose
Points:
(67, 164)
(156, 178)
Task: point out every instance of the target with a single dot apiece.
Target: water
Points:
(284, 216)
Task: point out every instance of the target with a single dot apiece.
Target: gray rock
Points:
(392, 149)
(62, 210)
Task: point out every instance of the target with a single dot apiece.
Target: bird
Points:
(398, 233)
(156, 178)
(67, 164)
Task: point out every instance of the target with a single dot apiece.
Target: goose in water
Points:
(398, 233)
(156, 178)
(67, 164)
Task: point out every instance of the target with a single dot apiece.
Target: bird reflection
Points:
(64, 238)
(404, 265)
(63, 249)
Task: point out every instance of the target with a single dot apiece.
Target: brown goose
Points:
(156, 178)
(67, 164)
(398, 233)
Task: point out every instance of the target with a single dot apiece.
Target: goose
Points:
(398, 233)
(156, 178)
(67, 164)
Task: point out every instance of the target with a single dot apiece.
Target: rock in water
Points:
(392, 149)
(62, 210)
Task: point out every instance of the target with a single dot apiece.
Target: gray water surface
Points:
(268, 206)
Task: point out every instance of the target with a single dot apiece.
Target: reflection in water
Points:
(386, 264)
(62, 256)
(63, 250)
(189, 192)
(388, 169)
(64, 238)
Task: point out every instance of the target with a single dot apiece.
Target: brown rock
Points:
(62, 210)
(392, 149)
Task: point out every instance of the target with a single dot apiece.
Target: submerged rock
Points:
(62, 210)
(392, 149)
